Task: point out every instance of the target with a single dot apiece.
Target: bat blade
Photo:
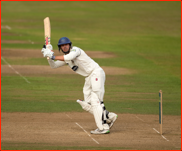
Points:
(47, 31)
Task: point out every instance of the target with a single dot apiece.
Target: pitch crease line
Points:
(86, 133)
(164, 138)
(68, 116)
(15, 70)
(161, 135)
(153, 128)
(140, 119)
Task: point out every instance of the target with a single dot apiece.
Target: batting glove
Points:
(48, 53)
(43, 49)
(49, 46)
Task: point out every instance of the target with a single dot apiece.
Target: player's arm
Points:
(71, 56)
(47, 52)
(56, 64)
(61, 58)
(67, 57)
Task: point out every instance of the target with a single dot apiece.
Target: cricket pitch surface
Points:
(130, 131)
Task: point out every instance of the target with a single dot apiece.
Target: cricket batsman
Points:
(93, 89)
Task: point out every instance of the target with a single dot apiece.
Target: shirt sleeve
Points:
(75, 52)
(56, 64)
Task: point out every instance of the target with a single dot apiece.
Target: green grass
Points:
(145, 36)
(124, 94)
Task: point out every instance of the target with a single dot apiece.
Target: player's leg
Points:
(86, 105)
(110, 116)
(97, 111)
(97, 94)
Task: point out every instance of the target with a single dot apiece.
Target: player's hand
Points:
(47, 52)
(43, 49)
(49, 46)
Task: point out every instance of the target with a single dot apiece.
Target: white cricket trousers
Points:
(93, 91)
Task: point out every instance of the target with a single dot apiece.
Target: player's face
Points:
(65, 47)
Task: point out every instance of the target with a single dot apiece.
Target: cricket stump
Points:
(160, 111)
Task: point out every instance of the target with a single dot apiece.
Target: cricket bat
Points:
(47, 31)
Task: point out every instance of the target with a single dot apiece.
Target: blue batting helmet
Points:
(64, 40)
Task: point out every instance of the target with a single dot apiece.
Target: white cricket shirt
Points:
(76, 58)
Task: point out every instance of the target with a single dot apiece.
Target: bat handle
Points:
(47, 44)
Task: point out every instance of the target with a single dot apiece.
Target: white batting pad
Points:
(97, 110)
(87, 107)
